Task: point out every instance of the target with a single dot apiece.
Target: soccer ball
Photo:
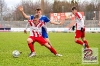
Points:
(16, 53)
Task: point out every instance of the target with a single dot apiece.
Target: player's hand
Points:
(25, 31)
(20, 8)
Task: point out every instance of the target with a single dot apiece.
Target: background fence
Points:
(22, 24)
(91, 21)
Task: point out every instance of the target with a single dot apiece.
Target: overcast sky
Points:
(11, 3)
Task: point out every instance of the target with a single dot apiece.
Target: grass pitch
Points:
(62, 42)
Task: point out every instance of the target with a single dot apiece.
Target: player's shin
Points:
(31, 46)
(51, 48)
(86, 43)
(54, 51)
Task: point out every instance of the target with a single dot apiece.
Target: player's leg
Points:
(30, 42)
(84, 40)
(77, 36)
(52, 49)
(43, 42)
(47, 39)
(45, 36)
(78, 41)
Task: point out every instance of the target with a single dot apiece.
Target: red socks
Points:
(31, 46)
(53, 50)
(79, 42)
(86, 43)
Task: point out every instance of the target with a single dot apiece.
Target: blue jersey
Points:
(44, 19)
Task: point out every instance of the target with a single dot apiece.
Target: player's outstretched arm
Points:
(57, 23)
(20, 8)
(53, 22)
(62, 22)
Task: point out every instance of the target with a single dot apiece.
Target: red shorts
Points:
(79, 34)
(39, 39)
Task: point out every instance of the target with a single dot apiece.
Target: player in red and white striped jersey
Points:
(35, 28)
(80, 29)
(36, 36)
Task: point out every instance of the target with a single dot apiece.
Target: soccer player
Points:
(80, 28)
(42, 18)
(35, 36)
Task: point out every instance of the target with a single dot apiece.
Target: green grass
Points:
(62, 42)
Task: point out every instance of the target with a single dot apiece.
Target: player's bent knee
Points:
(29, 40)
(83, 38)
(76, 39)
(47, 45)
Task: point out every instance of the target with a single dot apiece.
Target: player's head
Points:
(38, 11)
(74, 10)
(36, 18)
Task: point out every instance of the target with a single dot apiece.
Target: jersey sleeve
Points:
(46, 19)
(78, 16)
(31, 17)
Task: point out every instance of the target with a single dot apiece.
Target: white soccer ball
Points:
(15, 53)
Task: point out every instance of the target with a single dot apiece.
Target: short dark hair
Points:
(38, 9)
(74, 8)
(36, 16)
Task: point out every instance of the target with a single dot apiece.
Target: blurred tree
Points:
(57, 6)
(48, 7)
(3, 9)
(61, 6)
(29, 8)
(90, 7)
(75, 3)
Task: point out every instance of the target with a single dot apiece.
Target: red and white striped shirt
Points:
(79, 21)
(35, 30)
